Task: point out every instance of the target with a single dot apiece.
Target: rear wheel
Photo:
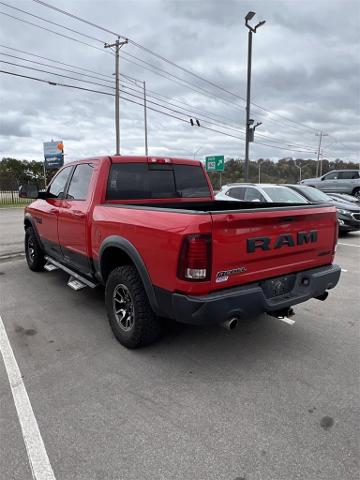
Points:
(33, 252)
(129, 312)
(356, 193)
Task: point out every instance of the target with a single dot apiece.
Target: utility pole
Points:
(44, 174)
(196, 152)
(319, 162)
(249, 123)
(259, 166)
(300, 168)
(117, 46)
(145, 121)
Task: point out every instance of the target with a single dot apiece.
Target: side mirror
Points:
(28, 191)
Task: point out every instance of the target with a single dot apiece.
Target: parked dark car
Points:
(348, 213)
(343, 197)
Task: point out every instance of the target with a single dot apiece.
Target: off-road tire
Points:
(146, 326)
(33, 251)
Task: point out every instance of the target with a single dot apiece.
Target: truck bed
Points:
(213, 206)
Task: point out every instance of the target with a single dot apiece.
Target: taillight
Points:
(195, 258)
(336, 235)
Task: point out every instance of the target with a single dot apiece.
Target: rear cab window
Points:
(130, 181)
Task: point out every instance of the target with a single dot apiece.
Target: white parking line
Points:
(349, 245)
(39, 461)
(343, 270)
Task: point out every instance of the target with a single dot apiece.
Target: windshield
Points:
(315, 195)
(283, 195)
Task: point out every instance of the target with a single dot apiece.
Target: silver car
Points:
(337, 181)
(259, 192)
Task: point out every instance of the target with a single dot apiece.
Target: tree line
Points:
(14, 173)
(285, 170)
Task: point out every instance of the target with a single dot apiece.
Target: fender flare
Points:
(123, 244)
(29, 218)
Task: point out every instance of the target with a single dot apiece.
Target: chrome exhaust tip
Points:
(230, 324)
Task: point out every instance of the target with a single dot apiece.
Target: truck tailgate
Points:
(254, 245)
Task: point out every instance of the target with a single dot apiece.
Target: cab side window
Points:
(57, 186)
(349, 175)
(252, 194)
(80, 181)
(331, 176)
(237, 193)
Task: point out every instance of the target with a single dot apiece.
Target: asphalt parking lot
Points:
(267, 401)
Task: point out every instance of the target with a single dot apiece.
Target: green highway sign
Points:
(215, 163)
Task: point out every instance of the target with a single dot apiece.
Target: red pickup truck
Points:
(150, 230)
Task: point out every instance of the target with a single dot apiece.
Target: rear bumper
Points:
(249, 300)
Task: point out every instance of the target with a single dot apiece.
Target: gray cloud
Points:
(13, 127)
(305, 67)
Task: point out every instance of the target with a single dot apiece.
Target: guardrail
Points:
(11, 198)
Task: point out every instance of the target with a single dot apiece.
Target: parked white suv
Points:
(259, 192)
(337, 181)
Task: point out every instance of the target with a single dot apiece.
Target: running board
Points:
(80, 280)
(50, 267)
(75, 284)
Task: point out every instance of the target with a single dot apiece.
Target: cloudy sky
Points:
(306, 71)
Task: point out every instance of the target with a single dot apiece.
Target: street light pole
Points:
(248, 131)
(248, 93)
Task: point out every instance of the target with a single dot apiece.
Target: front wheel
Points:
(33, 252)
(130, 315)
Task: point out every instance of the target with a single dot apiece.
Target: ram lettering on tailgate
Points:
(285, 239)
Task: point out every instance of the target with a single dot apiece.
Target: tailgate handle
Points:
(287, 219)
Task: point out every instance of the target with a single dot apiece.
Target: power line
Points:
(55, 73)
(197, 90)
(51, 22)
(189, 114)
(55, 61)
(135, 80)
(183, 82)
(58, 68)
(136, 103)
(64, 12)
(50, 82)
(127, 77)
(201, 117)
(56, 33)
(202, 91)
(57, 9)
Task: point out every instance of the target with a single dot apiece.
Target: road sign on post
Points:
(215, 163)
(53, 155)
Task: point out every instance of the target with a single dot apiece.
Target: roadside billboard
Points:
(53, 154)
